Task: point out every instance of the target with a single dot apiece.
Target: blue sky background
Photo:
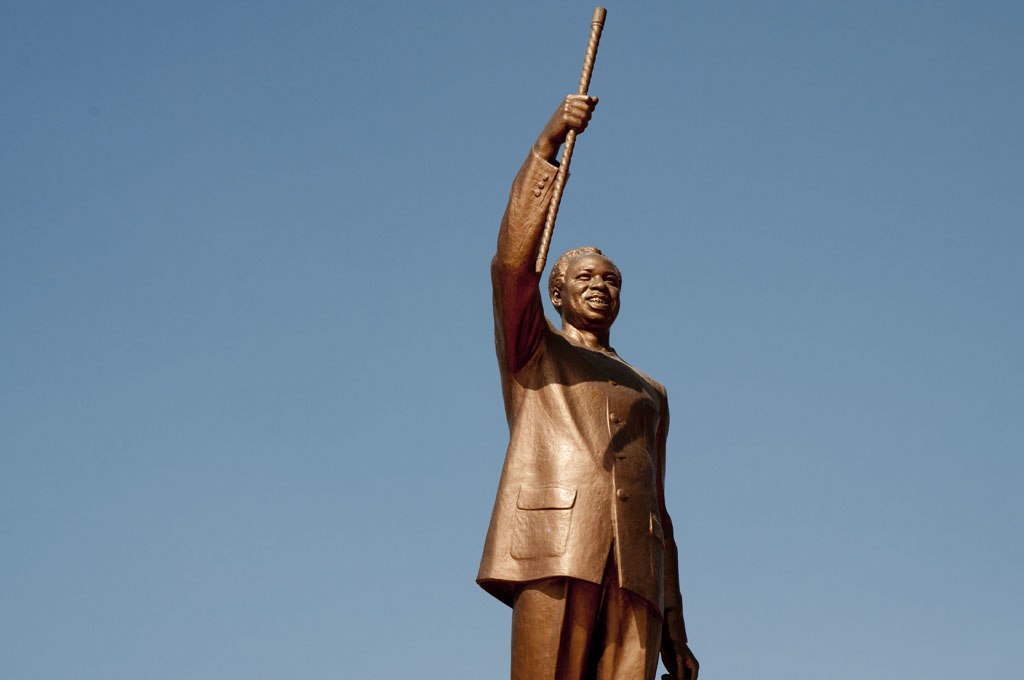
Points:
(250, 419)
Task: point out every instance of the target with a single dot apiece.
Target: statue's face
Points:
(589, 299)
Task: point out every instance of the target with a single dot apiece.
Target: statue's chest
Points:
(616, 398)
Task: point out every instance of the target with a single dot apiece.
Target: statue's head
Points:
(584, 288)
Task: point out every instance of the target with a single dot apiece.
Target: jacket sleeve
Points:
(674, 629)
(518, 312)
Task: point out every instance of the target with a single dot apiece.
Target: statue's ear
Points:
(556, 299)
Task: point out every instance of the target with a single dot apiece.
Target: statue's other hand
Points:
(572, 114)
(681, 664)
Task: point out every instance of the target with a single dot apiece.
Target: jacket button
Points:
(615, 418)
(623, 496)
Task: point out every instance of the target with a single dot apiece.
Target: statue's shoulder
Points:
(655, 385)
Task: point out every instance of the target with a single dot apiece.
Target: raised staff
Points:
(596, 26)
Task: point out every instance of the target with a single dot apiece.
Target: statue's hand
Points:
(680, 663)
(572, 114)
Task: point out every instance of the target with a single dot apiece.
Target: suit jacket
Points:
(584, 469)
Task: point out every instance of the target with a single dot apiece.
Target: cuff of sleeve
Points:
(540, 174)
(543, 161)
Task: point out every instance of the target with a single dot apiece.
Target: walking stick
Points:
(596, 25)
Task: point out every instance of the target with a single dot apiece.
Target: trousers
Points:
(568, 629)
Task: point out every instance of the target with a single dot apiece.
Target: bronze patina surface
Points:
(580, 543)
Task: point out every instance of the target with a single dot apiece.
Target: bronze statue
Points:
(580, 543)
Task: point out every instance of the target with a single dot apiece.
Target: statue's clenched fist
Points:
(576, 111)
(572, 114)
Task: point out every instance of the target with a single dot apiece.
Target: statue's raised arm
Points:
(517, 298)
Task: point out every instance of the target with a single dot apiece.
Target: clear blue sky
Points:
(250, 419)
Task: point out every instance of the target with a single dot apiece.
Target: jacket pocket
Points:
(543, 518)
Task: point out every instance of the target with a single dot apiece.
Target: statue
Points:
(580, 543)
